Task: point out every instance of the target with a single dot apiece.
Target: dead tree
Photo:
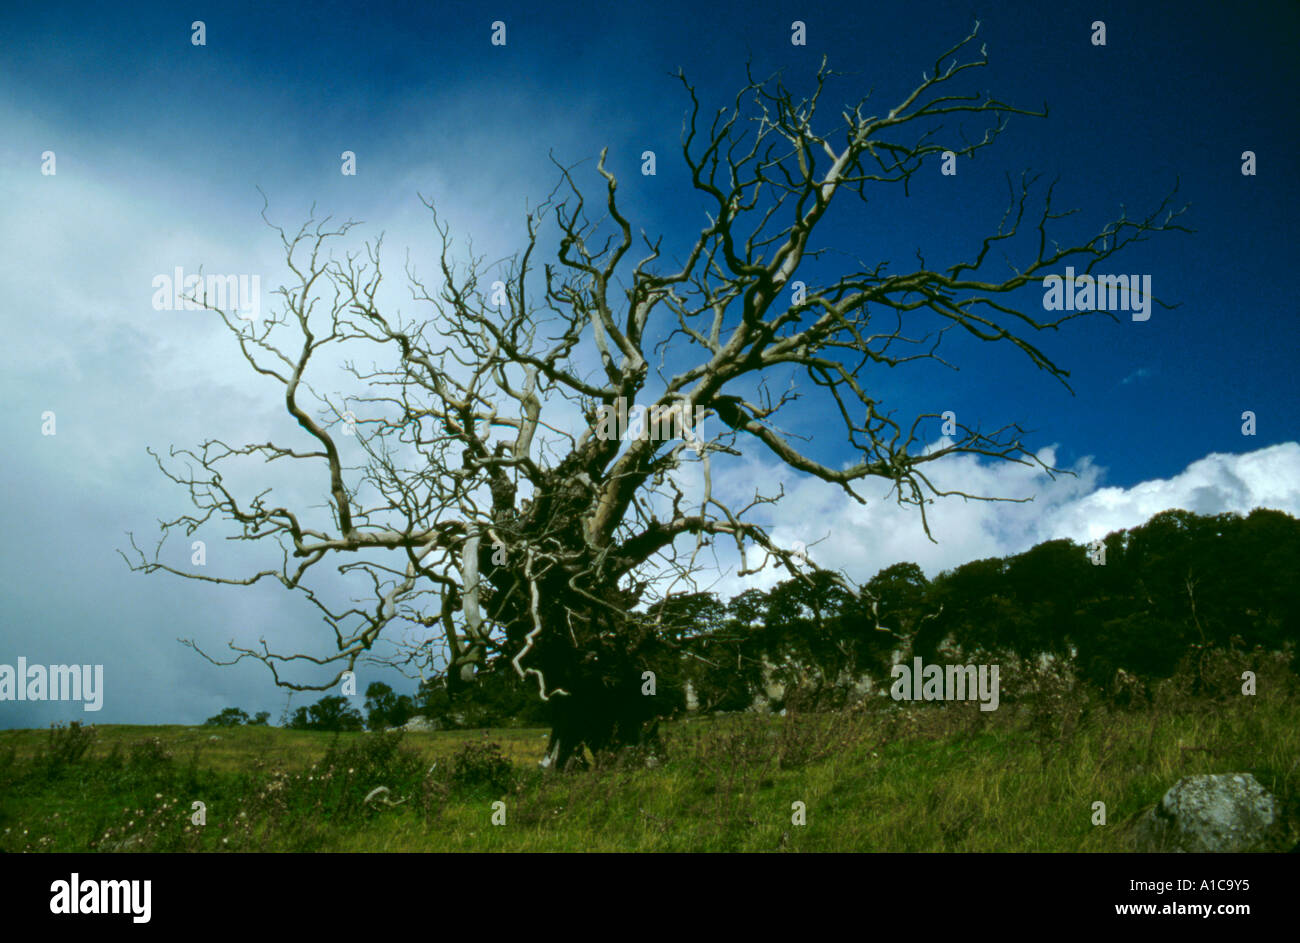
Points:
(497, 512)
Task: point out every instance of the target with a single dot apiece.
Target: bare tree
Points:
(501, 534)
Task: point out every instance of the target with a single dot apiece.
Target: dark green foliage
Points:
(1178, 587)
(332, 713)
(1171, 592)
(230, 717)
(149, 755)
(235, 717)
(481, 767)
(498, 697)
(386, 709)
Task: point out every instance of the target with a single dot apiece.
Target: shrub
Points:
(66, 746)
(149, 755)
(378, 758)
(337, 786)
(481, 766)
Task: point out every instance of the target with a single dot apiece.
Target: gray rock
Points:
(1227, 812)
(421, 724)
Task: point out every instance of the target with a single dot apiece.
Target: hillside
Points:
(893, 778)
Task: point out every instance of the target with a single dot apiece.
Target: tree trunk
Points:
(599, 717)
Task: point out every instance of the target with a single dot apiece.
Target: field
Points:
(888, 778)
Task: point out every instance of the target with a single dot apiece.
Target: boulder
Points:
(421, 723)
(1226, 812)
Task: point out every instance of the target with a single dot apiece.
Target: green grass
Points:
(922, 778)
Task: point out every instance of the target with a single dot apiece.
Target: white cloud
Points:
(862, 540)
(1269, 477)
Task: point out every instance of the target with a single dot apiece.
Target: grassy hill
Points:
(928, 777)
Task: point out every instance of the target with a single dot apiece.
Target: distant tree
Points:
(902, 605)
(385, 708)
(230, 717)
(432, 699)
(1266, 546)
(680, 617)
(688, 626)
(379, 701)
(813, 632)
(332, 713)
(971, 602)
(261, 720)
(1184, 583)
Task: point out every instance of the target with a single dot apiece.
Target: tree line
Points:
(1139, 601)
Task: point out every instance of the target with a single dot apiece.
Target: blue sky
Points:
(161, 146)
